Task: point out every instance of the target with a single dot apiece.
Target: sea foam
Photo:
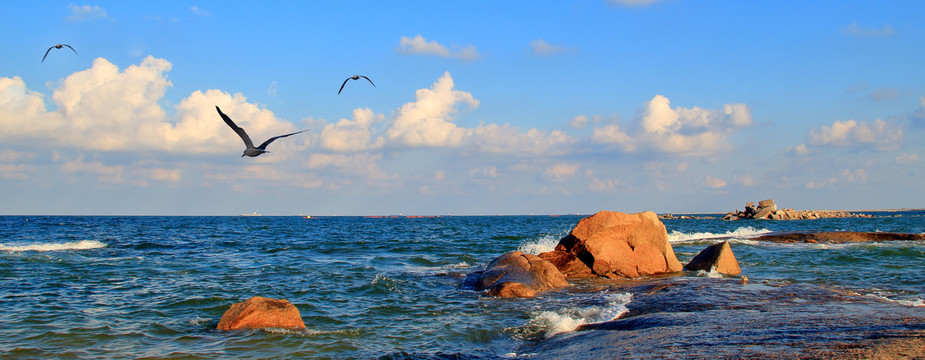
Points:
(741, 234)
(76, 245)
(550, 323)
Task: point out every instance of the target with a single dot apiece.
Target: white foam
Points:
(569, 319)
(541, 245)
(741, 234)
(76, 245)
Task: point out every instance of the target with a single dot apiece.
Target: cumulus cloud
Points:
(684, 131)
(353, 135)
(420, 45)
(428, 120)
(858, 30)
(85, 12)
(558, 172)
(105, 109)
(541, 47)
(715, 183)
(879, 135)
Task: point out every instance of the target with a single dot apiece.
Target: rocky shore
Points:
(767, 210)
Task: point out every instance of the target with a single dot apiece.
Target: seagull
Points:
(354, 77)
(58, 46)
(251, 150)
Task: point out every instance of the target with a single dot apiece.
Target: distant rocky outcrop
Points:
(768, 210)
(516, 274)
(718, 256)
(836, 237)
(615, 245)
(259, 313)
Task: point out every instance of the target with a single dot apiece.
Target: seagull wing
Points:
(342, 86)
(46, 53)
(265, 143)
(237, 129)
(367, 79)
(75, 51)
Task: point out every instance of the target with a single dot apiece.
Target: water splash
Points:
(741, 234)
(540, 245)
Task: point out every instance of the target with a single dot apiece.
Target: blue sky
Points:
(478, 107)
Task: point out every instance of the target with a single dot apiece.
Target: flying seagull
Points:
(354, 77)
(58, 46)
(251, 150)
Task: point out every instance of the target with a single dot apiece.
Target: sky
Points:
(478, 107)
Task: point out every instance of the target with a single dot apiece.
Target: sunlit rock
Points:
(260, 312)
(516, 274)
(717, 256)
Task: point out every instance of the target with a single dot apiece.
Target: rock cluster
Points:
(768, 210)
(607, 244)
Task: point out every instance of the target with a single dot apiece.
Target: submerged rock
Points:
(260, 312)
(717, 256)
(615, 244)
(516, 274)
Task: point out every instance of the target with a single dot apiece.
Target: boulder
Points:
(717, 256)
(516, 274)
(615, 244)
(260, 312)
(767, 203)
(568, 264)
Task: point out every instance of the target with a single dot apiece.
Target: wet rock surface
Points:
(836, 237)
(720, 318)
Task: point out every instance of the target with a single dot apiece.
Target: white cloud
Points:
(745, 180)
(420, 45)
(352, 135)
(541, 47)
(858, 30)
(715, 183)
(428, 120)
(799, 150)
(365, 165)
(86, 12)
(879, 134)
(604, 185)
(558, 172)
(685, 131)
(104, 172)
(494, 138)
(105, 109)
(199, 11)
(907, 159)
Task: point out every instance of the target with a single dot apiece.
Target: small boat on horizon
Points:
(251, 214)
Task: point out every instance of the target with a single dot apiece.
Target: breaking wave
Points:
(76, 245)
(741, 234)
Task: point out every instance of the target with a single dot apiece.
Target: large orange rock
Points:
(516, 274)
(717, 256)
(615, 244)
(260, 312)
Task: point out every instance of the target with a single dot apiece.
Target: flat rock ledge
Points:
(836, 237)
(260, 313)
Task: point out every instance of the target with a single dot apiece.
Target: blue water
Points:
(155, 287)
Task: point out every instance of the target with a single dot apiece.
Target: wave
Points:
(741, 234)
(549, 323)
(75, 245)
(541, 245)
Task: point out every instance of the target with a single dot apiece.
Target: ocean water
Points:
(76, 287)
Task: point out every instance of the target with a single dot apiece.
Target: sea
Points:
(391, 287)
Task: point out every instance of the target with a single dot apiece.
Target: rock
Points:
(719, 256)
(767, 203)
(568, 264)
(260, 312)
(763, 213)
(837, 237)
(516, 274)
(615, 244)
